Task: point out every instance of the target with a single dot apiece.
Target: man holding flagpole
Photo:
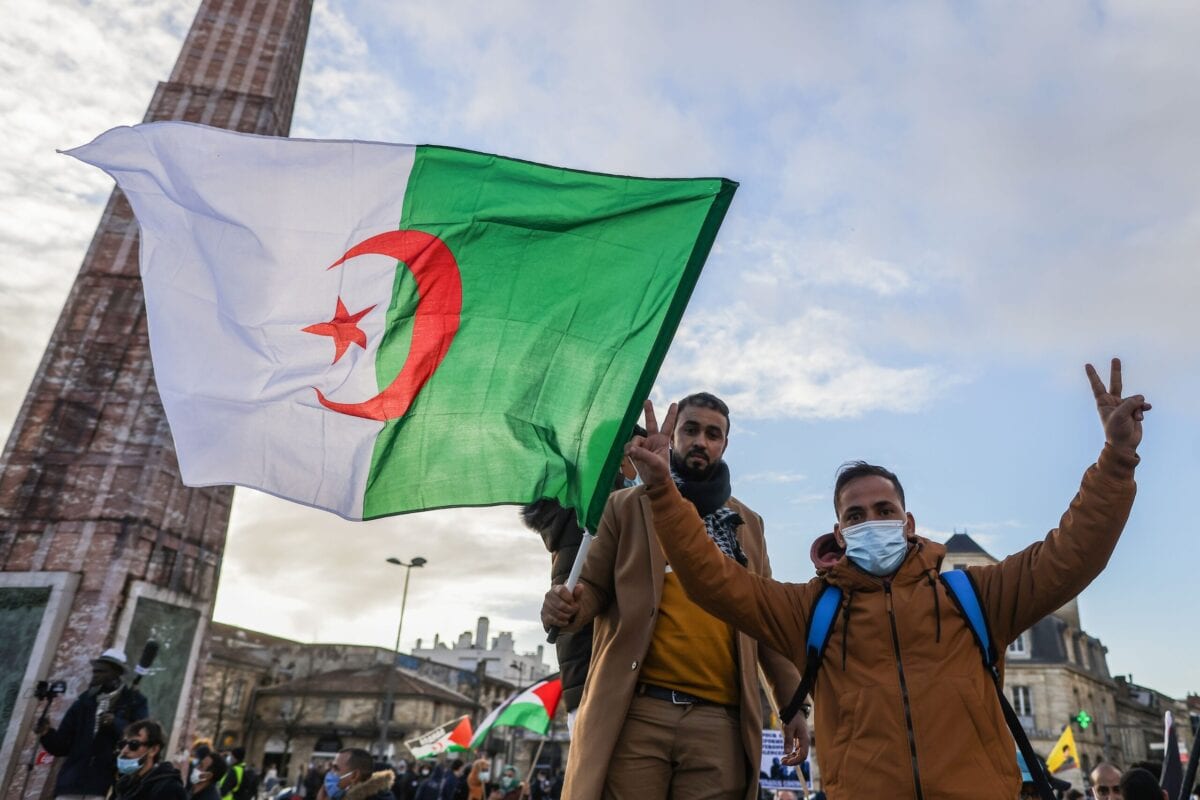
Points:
(671, 703)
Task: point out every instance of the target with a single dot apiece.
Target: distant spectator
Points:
(353, 776)
(1140, 784)
(1106, 781)
(206, 776)
(143, 776)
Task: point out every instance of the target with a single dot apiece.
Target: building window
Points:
(332, 707)
(1022, 701)
(238, 689)
(960, 566)
(286, 706)
(1019, 647)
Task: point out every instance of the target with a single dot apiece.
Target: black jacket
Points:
(562, 537)
(163, 782)
(89, 754)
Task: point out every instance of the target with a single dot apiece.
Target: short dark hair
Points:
(1140, 784)
(239, 754)
(853, 470)
(217, 766)
(360, 761)
(154, 734)
(705, 400)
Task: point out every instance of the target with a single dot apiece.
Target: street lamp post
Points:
(385, 714)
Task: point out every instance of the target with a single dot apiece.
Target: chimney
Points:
(418, 647)
(481, 633)
(540, 651)
(435, 640)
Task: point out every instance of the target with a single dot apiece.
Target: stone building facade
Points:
(1055, 670)
(288, 702)
(100, 543)
(499, 657)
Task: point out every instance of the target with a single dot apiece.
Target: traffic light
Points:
(1083, 719)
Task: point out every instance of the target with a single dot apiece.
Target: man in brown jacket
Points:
(671, 703)
(904, 706)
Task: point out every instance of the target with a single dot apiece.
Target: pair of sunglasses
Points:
(132, 744)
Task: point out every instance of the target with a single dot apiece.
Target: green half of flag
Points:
(573, 285)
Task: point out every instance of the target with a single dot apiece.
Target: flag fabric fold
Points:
(376, 329)
(1065, 754)
(452, 737)
(531, 708)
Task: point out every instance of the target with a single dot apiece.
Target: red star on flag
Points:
(343, 329)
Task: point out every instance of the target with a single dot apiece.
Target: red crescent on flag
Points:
(435, 322)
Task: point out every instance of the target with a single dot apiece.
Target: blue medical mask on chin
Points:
(878, 547)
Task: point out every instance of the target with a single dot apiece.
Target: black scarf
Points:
(709, 495)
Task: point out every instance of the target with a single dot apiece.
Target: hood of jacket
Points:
(830, 561)
(378, 782)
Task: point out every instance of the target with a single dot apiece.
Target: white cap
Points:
(113, 656)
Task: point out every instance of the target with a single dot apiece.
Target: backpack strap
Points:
(820, 628)
(963, 592)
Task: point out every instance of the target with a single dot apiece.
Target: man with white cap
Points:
(86, 739)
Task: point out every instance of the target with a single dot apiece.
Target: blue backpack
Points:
(962, 591)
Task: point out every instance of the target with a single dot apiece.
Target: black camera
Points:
(48, 690)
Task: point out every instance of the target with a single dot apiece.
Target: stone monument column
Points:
(100, 544)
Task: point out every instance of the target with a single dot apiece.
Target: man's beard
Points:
(688, 473)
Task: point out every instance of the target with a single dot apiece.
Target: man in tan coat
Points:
(671, 703)
(905, 708)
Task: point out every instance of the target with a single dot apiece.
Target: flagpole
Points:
(533, 767)
(573, 578)
(1189, 778)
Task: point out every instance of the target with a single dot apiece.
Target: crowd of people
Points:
(684, 617)
(446, 779)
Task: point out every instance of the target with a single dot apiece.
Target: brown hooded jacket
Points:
(904, 706)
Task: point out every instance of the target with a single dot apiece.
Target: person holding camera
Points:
(87, 736)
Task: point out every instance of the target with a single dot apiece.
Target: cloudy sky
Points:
(945, 211)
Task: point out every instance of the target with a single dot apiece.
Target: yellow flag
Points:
(1064, 755)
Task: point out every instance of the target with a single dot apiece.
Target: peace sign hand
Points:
(1121, 417)
(651, 454)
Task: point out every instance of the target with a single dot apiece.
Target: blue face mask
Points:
(636, 480)
(878, 547)
(331, 785)
(128, 766)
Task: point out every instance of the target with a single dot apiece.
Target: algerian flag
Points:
(375, 328)
(453, 737)
(530, 708)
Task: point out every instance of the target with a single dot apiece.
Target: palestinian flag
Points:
(531, 708)
(375, 328)
(453, 737)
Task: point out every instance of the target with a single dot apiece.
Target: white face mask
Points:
(484, 775)
(878, 547)
(196, 773)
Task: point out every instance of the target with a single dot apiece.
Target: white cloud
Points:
(68, 70)
(308, 574)
(810, 367)
(772, 477)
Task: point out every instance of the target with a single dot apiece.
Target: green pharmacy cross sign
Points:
(1084, 719)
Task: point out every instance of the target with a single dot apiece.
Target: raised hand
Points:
(651, 454)
(1120, 416)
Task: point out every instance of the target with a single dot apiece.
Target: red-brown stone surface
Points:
(88, 479)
